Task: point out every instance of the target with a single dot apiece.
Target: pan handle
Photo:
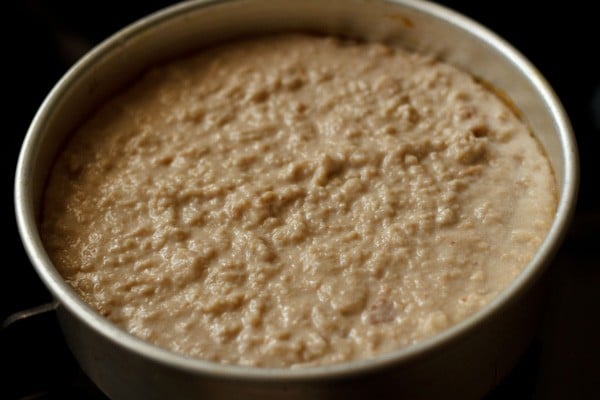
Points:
(29, 313)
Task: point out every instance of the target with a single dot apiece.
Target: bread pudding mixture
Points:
(296, 200)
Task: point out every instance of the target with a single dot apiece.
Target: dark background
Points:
(43, 38)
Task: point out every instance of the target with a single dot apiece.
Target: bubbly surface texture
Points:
(296, 200)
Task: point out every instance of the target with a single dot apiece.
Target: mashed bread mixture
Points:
(296, 200)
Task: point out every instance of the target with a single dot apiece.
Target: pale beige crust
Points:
(297, 200)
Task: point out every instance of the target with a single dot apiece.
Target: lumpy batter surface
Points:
(296, 200)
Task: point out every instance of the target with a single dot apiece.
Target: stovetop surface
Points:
(45, 37)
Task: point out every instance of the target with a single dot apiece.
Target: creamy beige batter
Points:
(297, 200)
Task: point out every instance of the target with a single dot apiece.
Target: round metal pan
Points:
(464, 361)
